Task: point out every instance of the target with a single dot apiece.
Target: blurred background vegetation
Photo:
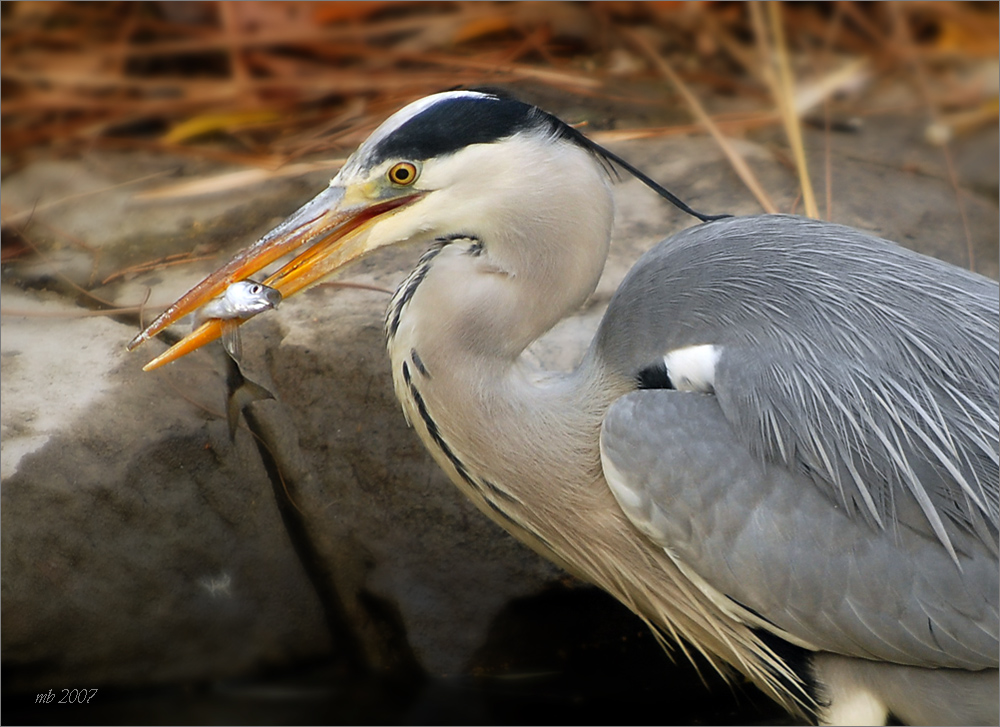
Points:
(269, 83)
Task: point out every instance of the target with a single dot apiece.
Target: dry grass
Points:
(266, 84)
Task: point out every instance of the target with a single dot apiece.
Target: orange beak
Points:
(328, 227)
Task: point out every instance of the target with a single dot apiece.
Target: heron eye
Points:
(403, 173)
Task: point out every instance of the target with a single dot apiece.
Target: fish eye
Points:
(403, 173)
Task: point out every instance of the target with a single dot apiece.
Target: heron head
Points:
(454, 163)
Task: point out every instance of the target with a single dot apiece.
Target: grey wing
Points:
(862, 381)
(894, 444)
(871, 368)
(774, 550)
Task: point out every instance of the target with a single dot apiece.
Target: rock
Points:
(139, 545)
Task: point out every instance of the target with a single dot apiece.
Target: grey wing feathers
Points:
(874, 439)
(770, 543)
(869, 369)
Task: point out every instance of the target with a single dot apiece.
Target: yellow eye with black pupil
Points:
(403, 173)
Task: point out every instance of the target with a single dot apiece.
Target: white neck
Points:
(521, 443)
(465, 316)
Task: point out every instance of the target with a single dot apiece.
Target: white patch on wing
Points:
(692, 368)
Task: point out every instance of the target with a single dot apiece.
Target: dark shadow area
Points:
(571, 655)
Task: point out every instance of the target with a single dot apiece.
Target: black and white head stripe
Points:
(448, 122)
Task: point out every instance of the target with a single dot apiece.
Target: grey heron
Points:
(780, 450)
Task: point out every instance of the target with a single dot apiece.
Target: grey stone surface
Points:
(140, 545)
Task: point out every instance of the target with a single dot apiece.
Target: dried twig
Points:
(738, 163)
(16, 217)
(233, 180)
(786, 102)
(169, 261)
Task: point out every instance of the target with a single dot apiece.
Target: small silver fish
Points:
(242, 300)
